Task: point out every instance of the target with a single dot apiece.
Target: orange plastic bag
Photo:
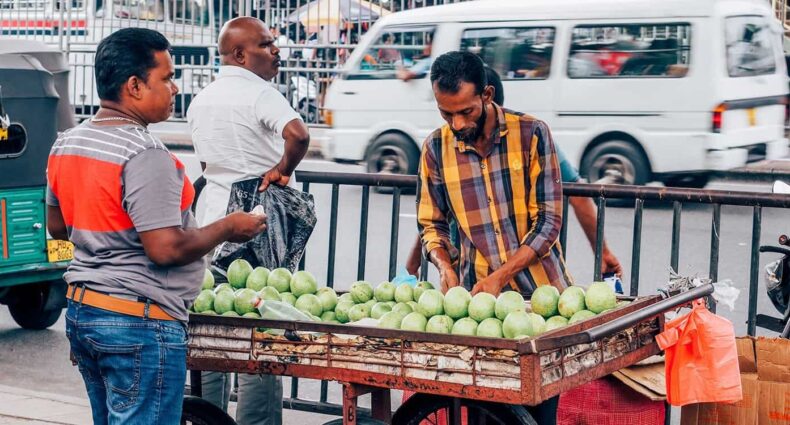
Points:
(701, 358)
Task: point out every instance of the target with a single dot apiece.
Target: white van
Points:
(656, 90)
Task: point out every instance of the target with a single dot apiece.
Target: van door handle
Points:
(350, 93)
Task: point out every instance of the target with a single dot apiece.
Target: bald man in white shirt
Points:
(242, 128)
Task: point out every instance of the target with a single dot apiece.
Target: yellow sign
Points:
(59, 250)
(3, 134)
(752, 116)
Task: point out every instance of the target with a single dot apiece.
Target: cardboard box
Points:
(647, 380)
(765, 378)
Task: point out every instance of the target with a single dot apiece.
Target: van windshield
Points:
(395, 49)
(750, 46)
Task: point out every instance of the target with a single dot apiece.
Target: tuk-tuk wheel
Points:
(197, 411)
(426, 407)
(27, 307)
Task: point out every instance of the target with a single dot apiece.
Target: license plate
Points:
(752, 112)
(59, 250)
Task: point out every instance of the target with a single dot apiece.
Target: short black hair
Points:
(123, 54)
(452, 68)
(494, 80)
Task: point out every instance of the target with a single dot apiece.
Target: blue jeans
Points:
(134, 368)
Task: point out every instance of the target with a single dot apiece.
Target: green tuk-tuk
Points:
(34, 106)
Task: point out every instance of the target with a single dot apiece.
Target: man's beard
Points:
(470, 135)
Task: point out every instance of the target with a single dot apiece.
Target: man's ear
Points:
(134, 87)
(239, 56)
(488, 94)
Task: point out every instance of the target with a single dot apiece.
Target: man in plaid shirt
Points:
(495, 172)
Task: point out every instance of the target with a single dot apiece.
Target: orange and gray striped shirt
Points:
(509, 198)
(111, 183)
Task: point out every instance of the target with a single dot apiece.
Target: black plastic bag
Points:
(290, 222)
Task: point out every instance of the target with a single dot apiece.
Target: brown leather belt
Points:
(86, 296)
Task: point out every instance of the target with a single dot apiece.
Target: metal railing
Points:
(600, 193)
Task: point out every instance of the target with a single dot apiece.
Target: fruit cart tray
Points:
(524, 371)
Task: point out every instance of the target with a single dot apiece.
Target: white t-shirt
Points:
(237, 124)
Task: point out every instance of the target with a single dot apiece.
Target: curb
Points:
(761, 174)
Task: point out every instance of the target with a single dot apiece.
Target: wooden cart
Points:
(474, 371)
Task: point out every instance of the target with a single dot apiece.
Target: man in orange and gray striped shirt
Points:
(118, 194)
(495, 172)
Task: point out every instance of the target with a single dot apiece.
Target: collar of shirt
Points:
(237, 71)
(463, 147)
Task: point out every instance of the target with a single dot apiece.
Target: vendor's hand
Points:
(414, 262)
(274, 176)
(413, 266)
(488, 284)
(610, 264)
(245, 226)
(447, 279)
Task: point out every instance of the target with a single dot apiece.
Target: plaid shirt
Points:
(511, 197)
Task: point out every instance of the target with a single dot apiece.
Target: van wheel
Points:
(616, 158)
(392, 153)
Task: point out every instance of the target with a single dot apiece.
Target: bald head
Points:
(246, 42)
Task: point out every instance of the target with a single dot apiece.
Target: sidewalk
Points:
(763, 170)
(24, 407)
(19, 406)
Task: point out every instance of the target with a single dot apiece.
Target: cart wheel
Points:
(28, 308)
(425, 408)
(197, 411)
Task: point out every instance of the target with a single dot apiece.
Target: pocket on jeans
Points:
(120, 368)
(173, 334)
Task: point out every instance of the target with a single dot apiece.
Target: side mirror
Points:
(13, 141)
(781, 188)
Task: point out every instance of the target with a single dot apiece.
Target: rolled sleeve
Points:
(545, 197)
(274, 111)
(152, 189)
(431, 202)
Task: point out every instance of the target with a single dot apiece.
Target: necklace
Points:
(116, 119)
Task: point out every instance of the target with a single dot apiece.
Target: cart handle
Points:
(624, 322)
(775, 249)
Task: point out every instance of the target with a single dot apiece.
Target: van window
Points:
(750, 48)
(515, 53)
(396, 48)
(630, 51)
